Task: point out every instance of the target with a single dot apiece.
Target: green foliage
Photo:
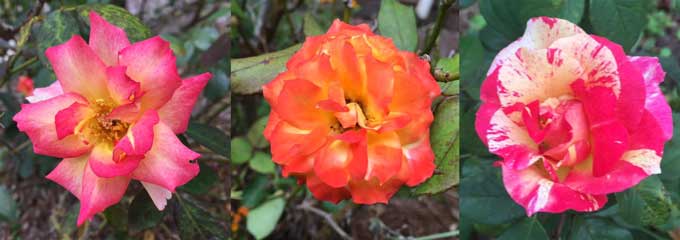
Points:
(262, 220)
(529, 228)
(249, 74)
(210, 137)
(201, 184)
(196, 222)
(398, 21)
(510, 19)
(143, 213)
(59, 26)
(8, 207)
(445, 143)
(621, 21)
(241, 150)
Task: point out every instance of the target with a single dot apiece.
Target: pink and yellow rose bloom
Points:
(572, 117)
(351, 116)
(113, 115)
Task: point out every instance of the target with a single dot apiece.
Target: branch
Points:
(441, 15)
(308, 207)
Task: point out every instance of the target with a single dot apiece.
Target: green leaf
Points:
(212, 138)
(249, 74)
(255, 135)
(510, 19)
(262, 163)
(474, 63)
(529, 228)
(645, 204)
(262, 220)
(621, 21)
(670, 164)
(241, 150)
(195, 222)
(483, 195)
(57, 28)
(310, 26)
(134, 28)
(142, 213)
(218, 86)
(117, 217)
(448, 69)
(445, 145)
(398, 21)
(255, 191)
(8, 206)
(202, 183)
(11, 107)
(598, 229)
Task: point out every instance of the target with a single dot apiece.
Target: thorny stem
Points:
(441, 15)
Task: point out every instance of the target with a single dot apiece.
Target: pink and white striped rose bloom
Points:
(572, 117)
(113, 115)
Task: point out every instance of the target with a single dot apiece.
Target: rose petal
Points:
(106, 39)
(37, 121)
(169, 163)
(152, 64)
(99, 193)
(79, 69)
(176, 112)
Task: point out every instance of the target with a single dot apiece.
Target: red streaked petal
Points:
(69, 174)
(536, 193)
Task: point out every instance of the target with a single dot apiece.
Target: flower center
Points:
(102, 129)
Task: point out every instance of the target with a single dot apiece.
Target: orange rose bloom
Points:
(351, 115)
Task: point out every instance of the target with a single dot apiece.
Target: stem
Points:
(329, 219)
(453, 233)
(24, 65)
(346, 13)
(558, 232)
(441, 15)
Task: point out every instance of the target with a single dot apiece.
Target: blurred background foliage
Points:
(31, 207)
(646, 211)
(264, 204)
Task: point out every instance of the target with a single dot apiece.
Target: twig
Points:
(346, 13)
(215, 109)
(441, 15)
(24, 65)
(453, 233)
(308, 207)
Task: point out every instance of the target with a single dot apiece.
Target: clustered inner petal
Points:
(99, 128)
